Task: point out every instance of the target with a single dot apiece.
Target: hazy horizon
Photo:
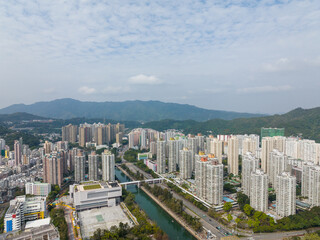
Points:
(241, 56)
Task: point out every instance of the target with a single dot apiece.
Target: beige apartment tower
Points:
(233, 155)
(69, 133)
(53, 168)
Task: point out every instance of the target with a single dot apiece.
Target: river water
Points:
(172, 228)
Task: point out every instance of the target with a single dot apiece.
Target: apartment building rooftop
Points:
(86, 186)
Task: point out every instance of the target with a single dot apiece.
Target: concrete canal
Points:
(173, 229)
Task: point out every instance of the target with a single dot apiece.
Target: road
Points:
(3, 208)
(281, 235)
(207, 222)
(67, 215)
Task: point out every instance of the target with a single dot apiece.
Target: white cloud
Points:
(144, 79)
(86, 90)
(263, 89)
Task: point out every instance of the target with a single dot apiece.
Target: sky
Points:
(241, 55)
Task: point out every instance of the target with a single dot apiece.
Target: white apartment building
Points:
(173, 155)
(249, 164)
(79, 168)
(93, 160)
(259, 190)
(277, 164)
(214, 182)
(310, 186)
(209, 179)
(286, 195)
(185, 164)
(314, 179)
(201, 175)
(161, 157)
(143, 139)
(305, 149)
(192, 145)
(305, 179)
(108, 164)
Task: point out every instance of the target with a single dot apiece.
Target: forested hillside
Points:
(304, 122)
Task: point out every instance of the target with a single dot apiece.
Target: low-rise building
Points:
(38, 188)
(43, 231)
(150, 164)
(23, 209)
(95, 194)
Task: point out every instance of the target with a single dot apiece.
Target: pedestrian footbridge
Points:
(138, 183)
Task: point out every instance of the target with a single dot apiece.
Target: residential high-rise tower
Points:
(93, 166)
(108, 164)
(286, 195)
(233, 155)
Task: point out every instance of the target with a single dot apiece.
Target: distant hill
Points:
(304, 122)
(18, 117)
(143, 111)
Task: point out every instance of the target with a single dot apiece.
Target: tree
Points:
(243, 199)
(227, 206)
(248, 210)
(272, 197)
(311, 236)
(229, 217)
(212, 213)
(237, 220)
(229, 187)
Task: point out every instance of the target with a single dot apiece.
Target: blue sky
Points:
(248, 56)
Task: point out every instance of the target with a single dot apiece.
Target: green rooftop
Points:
(90, 187)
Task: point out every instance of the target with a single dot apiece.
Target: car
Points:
(218, 228)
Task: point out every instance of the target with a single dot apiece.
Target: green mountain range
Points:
(142, 111)
(298, 122)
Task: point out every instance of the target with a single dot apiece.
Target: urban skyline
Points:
(161, 119)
